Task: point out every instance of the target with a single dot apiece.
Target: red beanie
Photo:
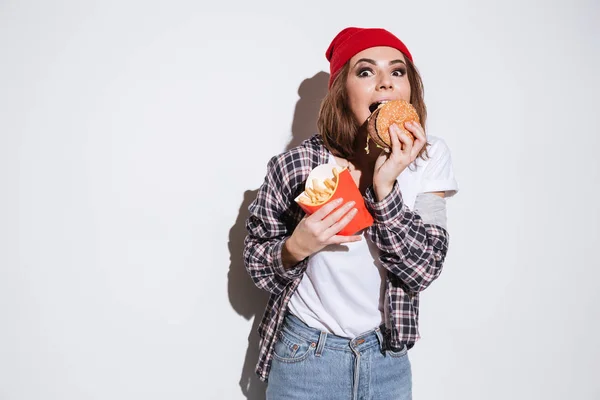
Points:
(351, 41)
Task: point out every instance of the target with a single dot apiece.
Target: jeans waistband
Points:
(374, 337)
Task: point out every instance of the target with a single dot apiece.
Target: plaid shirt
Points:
(412, 252)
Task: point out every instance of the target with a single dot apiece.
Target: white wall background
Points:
(134, 134)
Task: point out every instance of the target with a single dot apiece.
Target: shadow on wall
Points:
(245, 298)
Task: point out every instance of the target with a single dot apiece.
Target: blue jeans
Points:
(310, 365)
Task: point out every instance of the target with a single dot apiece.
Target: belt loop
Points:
(380, 339)
(321, 344)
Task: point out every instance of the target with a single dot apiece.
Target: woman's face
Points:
(376, 74)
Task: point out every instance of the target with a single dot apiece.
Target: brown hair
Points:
(337, 125)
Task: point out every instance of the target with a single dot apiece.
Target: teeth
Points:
(375, 105)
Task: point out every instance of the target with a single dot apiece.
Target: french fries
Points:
(320, 191)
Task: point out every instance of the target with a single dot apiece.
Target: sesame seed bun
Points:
(398, 112)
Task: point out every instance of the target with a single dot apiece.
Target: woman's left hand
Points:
(404, 151)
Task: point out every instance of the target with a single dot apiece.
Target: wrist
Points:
(291, 254)
(382, 191)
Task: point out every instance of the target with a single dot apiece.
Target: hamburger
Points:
(384, 114)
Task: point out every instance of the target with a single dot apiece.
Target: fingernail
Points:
(338, 201)
(351, 203)
(354, 210)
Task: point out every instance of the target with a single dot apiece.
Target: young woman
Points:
(343, 310)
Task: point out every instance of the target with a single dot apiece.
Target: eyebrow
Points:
(371, 61)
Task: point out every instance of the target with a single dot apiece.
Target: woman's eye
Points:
(365, 72)
(399, 72)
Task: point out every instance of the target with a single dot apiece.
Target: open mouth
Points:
(376, 105)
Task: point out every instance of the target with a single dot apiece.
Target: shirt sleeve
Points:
(409, 248)
(267, 231)
(432, 209)
(438, 175)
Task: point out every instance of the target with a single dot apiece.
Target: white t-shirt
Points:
(342, 290)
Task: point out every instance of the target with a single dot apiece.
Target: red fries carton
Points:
(328, 182)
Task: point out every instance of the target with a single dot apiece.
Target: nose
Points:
(385, 82)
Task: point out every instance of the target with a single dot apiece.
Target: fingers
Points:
(329, 219)
(326, 209)
(416, 129)
(339, 239)
(405, 143)
(340, 224)
(420, 138)
(396, 144)
(337, 214)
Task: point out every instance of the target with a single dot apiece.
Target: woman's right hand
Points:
(318, 230)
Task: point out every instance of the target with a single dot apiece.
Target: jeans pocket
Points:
(398, 352)
(291, 348)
